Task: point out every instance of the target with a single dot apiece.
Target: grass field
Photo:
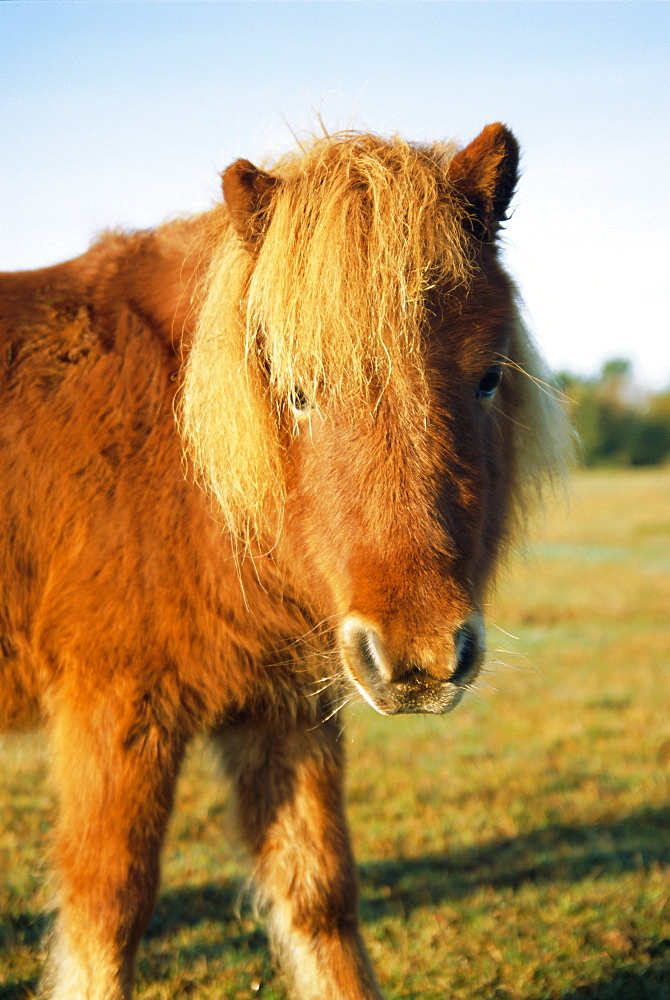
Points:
(518, 849)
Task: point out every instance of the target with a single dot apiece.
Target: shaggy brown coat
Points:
(344, 354)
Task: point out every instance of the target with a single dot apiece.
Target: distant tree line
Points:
(617, 424)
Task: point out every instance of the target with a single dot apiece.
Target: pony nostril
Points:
(366, 652)
(407, 683)
(366, 649)
(468, 653)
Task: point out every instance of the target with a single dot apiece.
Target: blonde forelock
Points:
(333, 301)
(360, 230)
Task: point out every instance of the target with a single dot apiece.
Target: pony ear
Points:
(486, 172)
(247, 191)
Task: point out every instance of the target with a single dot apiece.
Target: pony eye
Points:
(298, 401)
(490, 382)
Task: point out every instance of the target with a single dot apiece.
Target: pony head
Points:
(362, 399)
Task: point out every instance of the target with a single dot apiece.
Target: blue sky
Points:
(123, 114)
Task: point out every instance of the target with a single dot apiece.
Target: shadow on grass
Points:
(21, 931)
(638, 981)
(184, 909)
(557, 853)
(181, 908)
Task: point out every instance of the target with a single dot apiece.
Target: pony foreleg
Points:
(290, 810)
(115, 784)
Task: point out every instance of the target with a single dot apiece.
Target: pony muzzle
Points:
(393, 685)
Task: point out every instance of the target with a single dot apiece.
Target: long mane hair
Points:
(333, 299)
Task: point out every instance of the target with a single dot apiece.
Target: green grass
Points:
(518, 849)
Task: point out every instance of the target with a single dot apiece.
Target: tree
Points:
(615, 426)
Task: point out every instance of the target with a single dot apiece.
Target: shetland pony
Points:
(253, 463)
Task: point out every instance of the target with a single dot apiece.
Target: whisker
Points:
(515, 637)
(546, 387)
(471, 695)
(338, 708)
(324, 680)
(315, 694)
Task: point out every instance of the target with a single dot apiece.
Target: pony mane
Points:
(333, 301)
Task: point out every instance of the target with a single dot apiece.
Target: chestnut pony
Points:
(254, 463)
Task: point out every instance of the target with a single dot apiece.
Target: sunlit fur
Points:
(322, 336)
